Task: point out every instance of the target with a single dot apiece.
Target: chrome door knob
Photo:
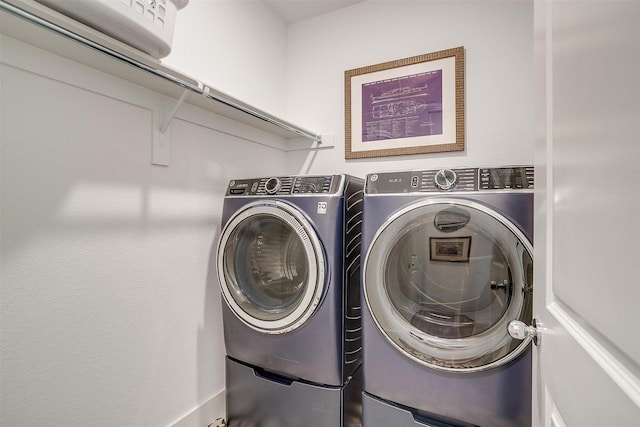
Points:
(520, 331)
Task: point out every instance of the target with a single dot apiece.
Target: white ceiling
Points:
(297, 10)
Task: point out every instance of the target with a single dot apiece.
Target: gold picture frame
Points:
(409, 106)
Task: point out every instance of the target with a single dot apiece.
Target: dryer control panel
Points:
(285, 185)
(451, 180)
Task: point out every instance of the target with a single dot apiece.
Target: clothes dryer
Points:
(448, 264)
(289, 270)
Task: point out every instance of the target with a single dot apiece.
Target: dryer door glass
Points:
(272, 267)
(444, 279)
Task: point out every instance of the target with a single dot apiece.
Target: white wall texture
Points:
(238, 47)
(498, 41)
(110, 311)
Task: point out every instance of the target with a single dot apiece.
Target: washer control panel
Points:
(451, 180)
(283, 185)
(503, 178)
(445, 179)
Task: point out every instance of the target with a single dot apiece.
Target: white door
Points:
(587, 241)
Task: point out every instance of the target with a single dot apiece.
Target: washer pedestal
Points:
(256, 398)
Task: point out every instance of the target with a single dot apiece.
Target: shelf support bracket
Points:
(161, 145)
(171, 115)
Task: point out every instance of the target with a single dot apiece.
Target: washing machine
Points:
(288, 264)
(447, 265)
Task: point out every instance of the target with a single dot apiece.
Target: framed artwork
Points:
(454, 249)
(409, 106)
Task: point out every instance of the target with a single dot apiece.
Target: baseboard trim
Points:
(205, 414)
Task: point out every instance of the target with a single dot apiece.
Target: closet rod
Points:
(200, 89)
(273, 121)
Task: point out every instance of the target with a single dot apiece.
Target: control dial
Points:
(272, 185)
(445, 179)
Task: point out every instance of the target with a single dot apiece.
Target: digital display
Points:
(312, 184)
(501, 178)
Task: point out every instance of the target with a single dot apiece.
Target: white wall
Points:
(110, 309)
(235, 46)
(498, 41)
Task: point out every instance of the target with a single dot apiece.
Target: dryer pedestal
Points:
(379, 413)
(256, 398)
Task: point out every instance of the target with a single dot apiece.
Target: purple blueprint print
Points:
(402, 107)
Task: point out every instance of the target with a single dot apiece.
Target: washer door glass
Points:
(271, 267)
(443, 279)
